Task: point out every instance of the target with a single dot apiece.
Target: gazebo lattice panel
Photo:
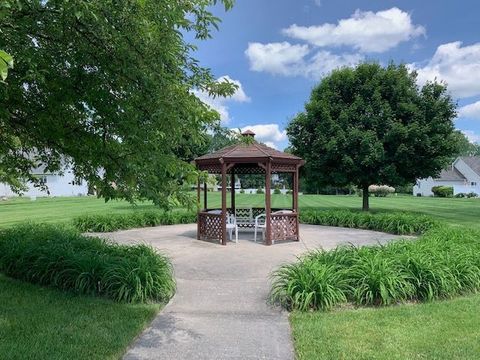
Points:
(248, 170)
(284, 227)
(209, 226)
(211, 168)
(216, 168)
(284, 167)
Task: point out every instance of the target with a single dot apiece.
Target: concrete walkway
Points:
(220, 310)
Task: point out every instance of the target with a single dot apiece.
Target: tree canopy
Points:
(106, 86)
(464, 146)
(373, 125)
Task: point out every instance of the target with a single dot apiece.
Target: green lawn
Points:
(42, 323)
(439, 330)
(453, 211)
(60, 209)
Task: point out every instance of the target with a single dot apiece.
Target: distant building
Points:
(463, 175)
(238, 186)
(58, 185)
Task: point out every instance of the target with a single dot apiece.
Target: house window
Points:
(473, 183)
(42, 180)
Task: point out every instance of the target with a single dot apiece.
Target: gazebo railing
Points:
(284, 226)
(209, 226)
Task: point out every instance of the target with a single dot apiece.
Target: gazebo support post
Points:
(268, 207)
(205, 195)
(293, 191)
(198, 209)
(198, 196)
(224, 203)
(295, 199)
(232, 189)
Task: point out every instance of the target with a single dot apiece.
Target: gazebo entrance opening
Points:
(248, 158)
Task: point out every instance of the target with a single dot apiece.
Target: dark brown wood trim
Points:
(205, 195)
(224, 204)
(268, 207)
(262, 165)
(232, 191)
(198, 209)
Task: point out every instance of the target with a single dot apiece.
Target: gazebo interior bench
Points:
(245, 217)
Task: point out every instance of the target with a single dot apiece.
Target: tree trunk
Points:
(365, 194)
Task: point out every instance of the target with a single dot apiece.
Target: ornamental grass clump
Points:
(443, 263)
(309, 284)
(401, 223)
(376, 279)
(65, 259)
(133, 219)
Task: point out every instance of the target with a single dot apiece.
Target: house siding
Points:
(424, 186)
(471, 183)
(58, 185)
(466, 171)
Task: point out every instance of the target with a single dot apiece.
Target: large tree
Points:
(465, 147)
(373, 125)
(106, 86)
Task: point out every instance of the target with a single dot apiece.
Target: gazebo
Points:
(248, 157)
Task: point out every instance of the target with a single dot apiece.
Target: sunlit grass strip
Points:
(401, 223)
(134, 219)
(443, 263)
(63, 258)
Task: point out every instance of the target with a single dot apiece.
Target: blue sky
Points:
(277, 50)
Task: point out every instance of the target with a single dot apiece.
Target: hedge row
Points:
(63, 258)
(133, 219)
(400, 223)
(443, 263)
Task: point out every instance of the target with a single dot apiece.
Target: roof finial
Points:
(248, 133)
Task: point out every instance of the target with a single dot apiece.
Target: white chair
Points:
(216, 212)
(281, 212)
(231, 226)
(260, 225)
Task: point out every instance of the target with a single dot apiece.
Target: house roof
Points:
(450, 174)
(473, 162)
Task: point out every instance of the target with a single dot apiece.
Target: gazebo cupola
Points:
(248, 157)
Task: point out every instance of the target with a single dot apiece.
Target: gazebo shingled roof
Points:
(249, 158)
(249, 151)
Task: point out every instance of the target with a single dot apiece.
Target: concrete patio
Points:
(220, 310)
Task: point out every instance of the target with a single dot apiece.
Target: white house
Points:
(463, 175)
(58, 185)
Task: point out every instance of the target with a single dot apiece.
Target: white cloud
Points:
(471, 136)
(364, 30)
(271, 144)
(470, 111)
(324, 61)
(269, 134)
(239, 94)
(276, 58)
(458, 66)
(220, 103)
(295, 60)
(317, 2)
